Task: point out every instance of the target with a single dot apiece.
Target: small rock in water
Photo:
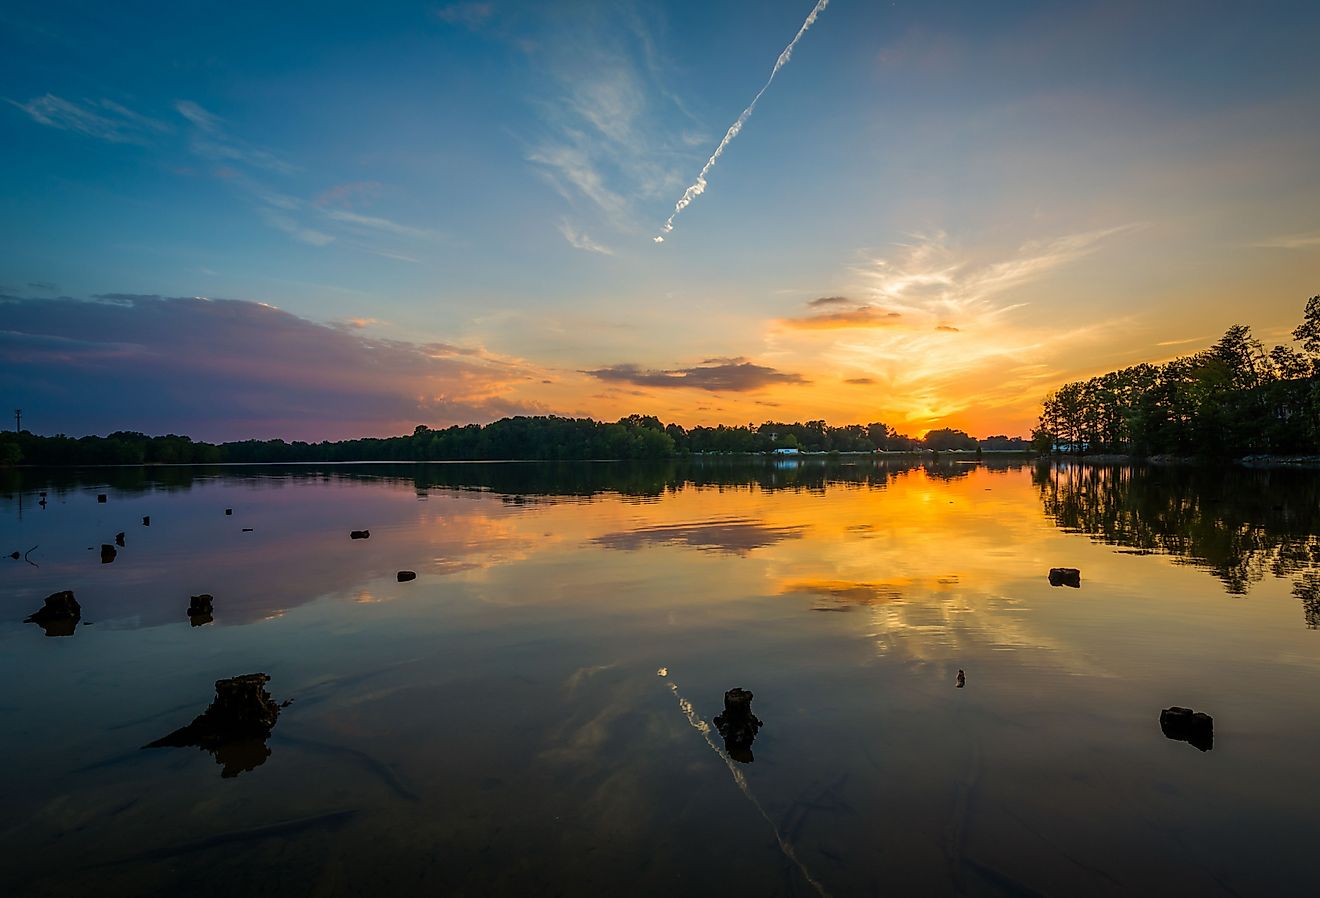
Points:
(119, 539)
(738, 725)
(247, 529)
(1066, 576)
(229, 511)
(107, 553)
(1196, 728)
(405, 576)
(359, 534)
(146, 520)
(962, 679)
(15, 555)
(200, 604)
(58, 615)
(100, 497)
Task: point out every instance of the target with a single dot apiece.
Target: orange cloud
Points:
(864, 316)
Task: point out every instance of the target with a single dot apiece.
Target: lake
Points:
(535, 712)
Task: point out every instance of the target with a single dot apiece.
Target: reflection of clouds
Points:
(840, 595)
(736, 536)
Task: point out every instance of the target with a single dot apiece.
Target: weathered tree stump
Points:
(108, 553)
(359, 534)
(405, 576)
(58, 615)
(738, 725)
(234, 728)
(200, 610)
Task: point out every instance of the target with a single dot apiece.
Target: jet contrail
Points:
(699, 186)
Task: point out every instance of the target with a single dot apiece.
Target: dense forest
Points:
(1234, 399)
(545, 438)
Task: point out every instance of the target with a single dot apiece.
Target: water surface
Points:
(532, 714)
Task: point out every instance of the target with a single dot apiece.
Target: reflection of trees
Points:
(517, 480)
(1240, 524)
(1307, 589)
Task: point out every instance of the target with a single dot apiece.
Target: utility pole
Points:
(18, 420)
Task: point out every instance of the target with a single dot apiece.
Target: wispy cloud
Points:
(607, 140)
(581, 240)
(349, 194)
(103, 119)
(469, 15)
(713, 375)
(698, 187)
(211, 140)
(1292, 241)
(282, 222)
(384, 225)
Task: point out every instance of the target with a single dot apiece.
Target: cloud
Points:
(297, 231)
(608, 138)
(830, 301)
(348, 195)
(1292, 241)
(860, 381)
(580, 240)
(382, 224)
(947, 328)
(220, 369)
(44, 286)
(865, 316)
(211, 140)
(714, 375)
(698, 187)
(103, 119)
(469, 15)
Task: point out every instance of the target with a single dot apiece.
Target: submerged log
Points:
(1066, 576)
(1196, 728)
(234, 728)
(58, 615)
(738, 725)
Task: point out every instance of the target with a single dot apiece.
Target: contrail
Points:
(699, 186)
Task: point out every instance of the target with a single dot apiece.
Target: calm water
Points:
(531, 714)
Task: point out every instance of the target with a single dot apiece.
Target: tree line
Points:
(1235, 398)
(540, 438)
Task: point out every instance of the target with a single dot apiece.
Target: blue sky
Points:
(1031, 191)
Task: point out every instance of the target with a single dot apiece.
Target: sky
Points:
(335, 219)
